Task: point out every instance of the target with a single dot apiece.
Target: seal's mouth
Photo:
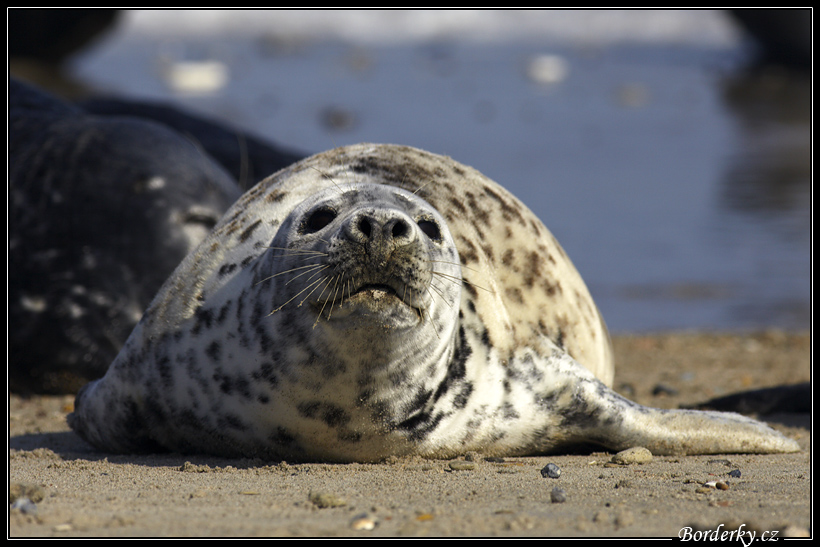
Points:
(374, 288)
(369, 299)
(377, 294)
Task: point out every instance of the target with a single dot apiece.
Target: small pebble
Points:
(551, 470)
(462, 466)
(363, 522)
(735, 473)
(636, 454)
(720, 485)
(425, 517)
(558, 495)
(324, 499)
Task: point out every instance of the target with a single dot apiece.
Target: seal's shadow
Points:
(69, 446)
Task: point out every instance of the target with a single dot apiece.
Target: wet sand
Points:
(64, 488)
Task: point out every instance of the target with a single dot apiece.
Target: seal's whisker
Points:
(345, 281)
(318, 317)
(335, 292)
(295, 296)
(422, 187)
(454, 280)
(456, 264)
(316, 269)
(461, 279)
(349, 291)
(297, 252)
(288, 271)
(314, 290)
(440, 293)
(329, 280)
(432, 323)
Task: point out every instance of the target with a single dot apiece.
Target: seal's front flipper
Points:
(617, 423)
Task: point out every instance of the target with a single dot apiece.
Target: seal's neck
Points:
(390, 371)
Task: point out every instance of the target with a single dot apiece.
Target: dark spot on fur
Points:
(458, 205)
(551, 288)
(214, 350)
(330, 414)
(467, 252)
(420, 425)
(249, 230)
(223, 313)
(460, 400)
(164, 369)
(418, 402)
(488, 251)
(204, 318)
(474, 206)
(470, 289)
(508, 412)
(514, 294)
(225, 269)
(266, 372)
(282, 437)
(507, 258)
(533, 268)
(456, 369)
(509, 211)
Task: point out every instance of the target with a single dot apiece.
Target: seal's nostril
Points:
(400, 229)
(364, 227)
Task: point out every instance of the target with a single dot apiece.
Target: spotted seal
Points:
(380, 300)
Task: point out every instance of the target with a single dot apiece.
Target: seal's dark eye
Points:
(430, 229)
(317, 220)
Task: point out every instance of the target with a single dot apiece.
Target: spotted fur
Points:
(379, 300)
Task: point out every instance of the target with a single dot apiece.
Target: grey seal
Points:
(375, 301)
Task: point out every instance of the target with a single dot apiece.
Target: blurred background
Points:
(668, 151)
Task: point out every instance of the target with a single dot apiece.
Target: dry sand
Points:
(75, 491)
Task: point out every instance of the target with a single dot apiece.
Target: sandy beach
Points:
(60, 487)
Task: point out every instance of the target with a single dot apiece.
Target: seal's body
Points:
(379, 300)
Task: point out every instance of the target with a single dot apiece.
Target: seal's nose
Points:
(374, 226)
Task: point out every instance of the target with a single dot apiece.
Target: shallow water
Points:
(677, 179)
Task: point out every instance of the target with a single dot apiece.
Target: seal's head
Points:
(366, 256)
